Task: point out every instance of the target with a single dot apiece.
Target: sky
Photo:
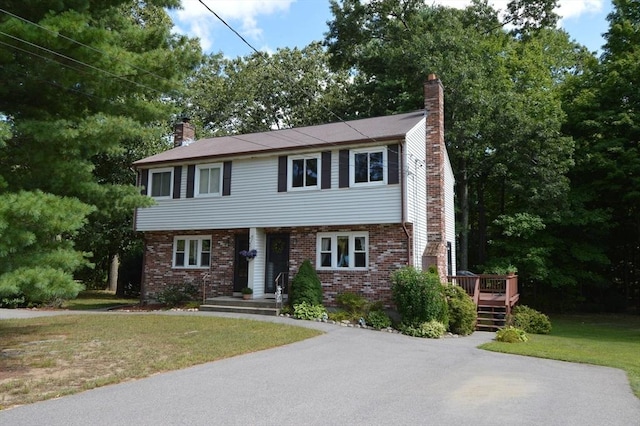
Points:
(271, 24)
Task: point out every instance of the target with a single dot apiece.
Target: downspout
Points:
(403, 210)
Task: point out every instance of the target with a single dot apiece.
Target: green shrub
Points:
(463, 313)
(39, 285)
(530, 320)
(511, 334)
(378, 319)
(353, 303)
(419, 296)
(307, 311)
(430, 329)
(13, 302)
(339, 316)
(176, 294)
(306, 286)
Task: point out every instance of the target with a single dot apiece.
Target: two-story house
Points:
(360, 199)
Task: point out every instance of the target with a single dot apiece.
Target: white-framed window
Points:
(369, 166)
(208, 180)
(304, 172)
(160, 183)
(191, 252)
(342, 250)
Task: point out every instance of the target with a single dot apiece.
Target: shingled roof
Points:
(364, 130)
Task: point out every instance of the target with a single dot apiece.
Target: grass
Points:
(608, 340)
(97, 299)
(48, 357)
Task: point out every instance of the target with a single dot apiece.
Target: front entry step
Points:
(241, 306)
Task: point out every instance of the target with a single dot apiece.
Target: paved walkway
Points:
(355, 377)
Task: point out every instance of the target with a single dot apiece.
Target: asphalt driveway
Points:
(356, 377)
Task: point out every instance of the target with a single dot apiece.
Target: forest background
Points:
(544, 136)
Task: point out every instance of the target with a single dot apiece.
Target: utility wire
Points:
(80, 62)
(284, 73)
(57, 34)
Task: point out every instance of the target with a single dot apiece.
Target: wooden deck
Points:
(494, 295)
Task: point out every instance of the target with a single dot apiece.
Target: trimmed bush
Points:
(511, 334)
(462, 311)
(176, 294)
(307, 311)
(378, 320)
(306, 286)
(430, 329)
(354, 304)
(530, 320)
(419, 297)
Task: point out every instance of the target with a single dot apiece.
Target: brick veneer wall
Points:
(388, 251)
(436, 253)
(158, 272)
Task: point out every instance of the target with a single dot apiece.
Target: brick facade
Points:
(388, 251)
(436, 250)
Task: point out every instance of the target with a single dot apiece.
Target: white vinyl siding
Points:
(416, 189)
(255, 202)
(449, 210)
(161, 183)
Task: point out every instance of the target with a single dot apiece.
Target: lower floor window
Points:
(191, 252)
(338, 250)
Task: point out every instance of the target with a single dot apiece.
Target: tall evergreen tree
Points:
(86, 88)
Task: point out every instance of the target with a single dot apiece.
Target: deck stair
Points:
(494, 296)
(491, 318)
(241, 306)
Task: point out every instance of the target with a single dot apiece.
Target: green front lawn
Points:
(608, 340)
(49, 357)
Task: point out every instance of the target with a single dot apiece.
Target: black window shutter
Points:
(392, 160)
(282, 173)
(343, 166)
(326, 170)
(144, 181)
(226, 178)
(191, 175)
(177, 179)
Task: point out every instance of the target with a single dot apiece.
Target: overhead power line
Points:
(102, 52)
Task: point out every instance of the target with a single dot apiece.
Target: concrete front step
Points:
(253, 310)
(239, 305)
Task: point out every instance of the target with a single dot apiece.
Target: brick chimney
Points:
(435, 253)
(183, 133)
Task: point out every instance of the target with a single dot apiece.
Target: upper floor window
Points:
(192, 252)
(337, 250)
(369, 166)
(208, 179)
(161, 182)
(304, 172)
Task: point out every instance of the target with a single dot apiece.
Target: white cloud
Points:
(568, 8)
(194, 19)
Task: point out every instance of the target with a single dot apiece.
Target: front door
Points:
(241, 269)
(277, 261)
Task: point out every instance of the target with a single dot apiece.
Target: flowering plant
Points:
(249, 254)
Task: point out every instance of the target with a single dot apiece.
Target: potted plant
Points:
(249, 254)
(247, 292)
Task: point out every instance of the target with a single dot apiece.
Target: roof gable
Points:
(363, 130)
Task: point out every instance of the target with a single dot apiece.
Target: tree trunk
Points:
(113, 273)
